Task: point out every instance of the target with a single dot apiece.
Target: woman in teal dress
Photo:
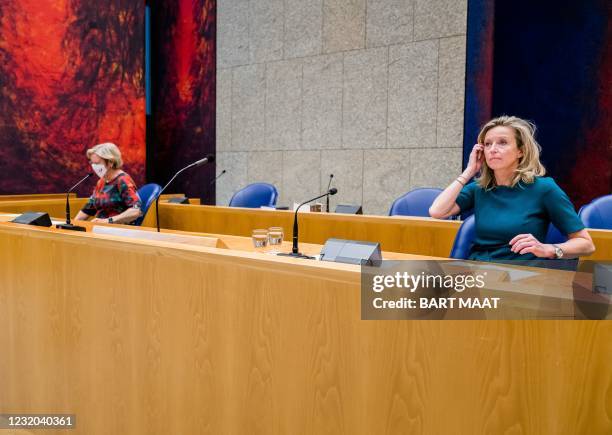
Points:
(512, 200)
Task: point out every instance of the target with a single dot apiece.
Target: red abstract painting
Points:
(71, 76)
(183, 119)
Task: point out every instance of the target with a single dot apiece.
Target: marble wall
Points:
(369, 90)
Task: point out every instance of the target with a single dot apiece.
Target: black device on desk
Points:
(349, 209)
(352, 252)
(38, 219)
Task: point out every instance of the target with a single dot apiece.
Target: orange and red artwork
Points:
(183, 114)
(71, 76)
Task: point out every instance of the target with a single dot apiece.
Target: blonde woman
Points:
(512, 200)
(114, 199)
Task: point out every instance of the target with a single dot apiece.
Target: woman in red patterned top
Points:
(114, 199)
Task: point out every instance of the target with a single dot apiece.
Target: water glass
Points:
(275, 236)
(260, 239)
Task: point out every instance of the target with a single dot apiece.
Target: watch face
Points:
(558, 252)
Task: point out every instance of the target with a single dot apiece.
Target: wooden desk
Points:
(421, 236)
(36, 196)
(411, 235)
(54, 206)
(144, 337)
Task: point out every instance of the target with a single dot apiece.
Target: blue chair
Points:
(414, 203)
(467, 232)
(555, 236)
(464, 239)
(255, 195)
(598, 213)
(147, 193)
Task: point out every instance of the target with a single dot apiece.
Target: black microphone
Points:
(213, 182)
(328, 186)
(294, 251)
(210, 158)
(68, 225)
(217, 177)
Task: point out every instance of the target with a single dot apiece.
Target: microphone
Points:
(210, 158)
(328, 186)
(217, 177)
(294, 251)
(213, 182)
(68, 225)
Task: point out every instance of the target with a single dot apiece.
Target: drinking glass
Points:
(260, 240)
(275, 237)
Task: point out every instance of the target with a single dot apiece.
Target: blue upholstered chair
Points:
(464, 239)
(147, 193)
(255, 195)
(554, 235)
(598, 213)
(467, 232)
(414, 203)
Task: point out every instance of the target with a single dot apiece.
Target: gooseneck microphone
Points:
(214, 181)
(217, 177)
(294, 250)
(210, 158)
(68, 225)
(327, 199)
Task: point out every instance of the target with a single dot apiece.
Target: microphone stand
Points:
(208, 159)
(68, 225)
(328, 186)
(295, 251)
(214, 181)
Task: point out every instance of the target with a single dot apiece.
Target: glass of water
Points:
(275, 238)
(260, 240)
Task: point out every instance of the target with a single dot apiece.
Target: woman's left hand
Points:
(100, 221)
(528, 244)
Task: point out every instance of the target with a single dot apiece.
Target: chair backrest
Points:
(598, 213)
(464, 239)
(467, 232)
(414, 203)
(147, 193)
(254, 196)
(554, 235)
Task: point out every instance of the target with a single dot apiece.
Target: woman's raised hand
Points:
(476, 159)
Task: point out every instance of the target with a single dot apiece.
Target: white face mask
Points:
(99, 169)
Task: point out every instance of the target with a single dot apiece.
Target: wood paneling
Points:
(36, 196)
(398, 234)
(144, 337)
(55, 207)
(411, 235)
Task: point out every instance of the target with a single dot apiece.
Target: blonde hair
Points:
(109, 152)
(529, 165)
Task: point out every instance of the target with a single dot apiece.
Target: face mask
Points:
(99, 169)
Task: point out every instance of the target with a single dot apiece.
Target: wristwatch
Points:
(558, 252)
(110, 221)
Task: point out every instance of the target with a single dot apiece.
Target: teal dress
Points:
(503, 212)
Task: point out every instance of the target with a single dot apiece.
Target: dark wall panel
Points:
(183, 68)
(552, 64)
